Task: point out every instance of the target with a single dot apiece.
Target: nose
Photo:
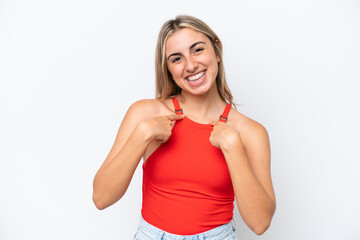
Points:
(191, 65)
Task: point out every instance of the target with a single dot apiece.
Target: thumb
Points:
(213, 123)
(175, 117)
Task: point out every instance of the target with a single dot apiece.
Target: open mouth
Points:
(197, 78)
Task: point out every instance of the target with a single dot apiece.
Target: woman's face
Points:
(192, 61)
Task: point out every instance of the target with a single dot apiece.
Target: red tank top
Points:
(187, 187)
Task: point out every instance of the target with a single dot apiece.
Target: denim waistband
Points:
(146, 231)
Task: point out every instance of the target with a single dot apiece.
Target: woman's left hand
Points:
(223, 136)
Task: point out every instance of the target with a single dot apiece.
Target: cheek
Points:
(175, 71)
(209, 60)
(214, 65)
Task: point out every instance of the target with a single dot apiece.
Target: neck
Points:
(203, 107)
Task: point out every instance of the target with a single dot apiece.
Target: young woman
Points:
(199, 153)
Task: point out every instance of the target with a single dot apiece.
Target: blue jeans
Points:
(149, 232)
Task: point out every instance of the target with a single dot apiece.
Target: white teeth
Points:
(196, 77)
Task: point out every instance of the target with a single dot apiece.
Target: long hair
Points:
(165, 85)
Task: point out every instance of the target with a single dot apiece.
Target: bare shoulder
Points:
(251, 131)
(138, 111)
(147, 108)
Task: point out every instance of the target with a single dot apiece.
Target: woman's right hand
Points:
(141, 124)
(159, 128)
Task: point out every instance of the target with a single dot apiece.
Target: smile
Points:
(197, 79)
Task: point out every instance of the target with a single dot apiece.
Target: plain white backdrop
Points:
(70, 69)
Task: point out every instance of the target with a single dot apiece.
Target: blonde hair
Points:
(165, 85)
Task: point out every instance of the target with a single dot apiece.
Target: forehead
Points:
(182, 39)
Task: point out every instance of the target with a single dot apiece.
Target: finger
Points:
(214, 123)
(175, 117)
(163, 139)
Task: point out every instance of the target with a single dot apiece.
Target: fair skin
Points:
(244, 142)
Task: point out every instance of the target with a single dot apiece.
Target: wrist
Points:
(231, 142)
(143, 131)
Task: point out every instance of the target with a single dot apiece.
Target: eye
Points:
(197, 50)
(175, 59)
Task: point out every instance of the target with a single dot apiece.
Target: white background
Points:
(70, 69)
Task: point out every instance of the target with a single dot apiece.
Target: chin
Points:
(198, 92)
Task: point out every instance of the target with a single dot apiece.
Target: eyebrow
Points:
(191, 47)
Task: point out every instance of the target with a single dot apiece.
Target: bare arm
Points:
(134, 135)
(250, 173)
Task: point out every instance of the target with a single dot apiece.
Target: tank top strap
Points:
(223, 117)
(178, 110)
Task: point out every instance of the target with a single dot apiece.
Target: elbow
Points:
(103, 201)
(97, 198)
(98, 202)
(104, 197)
(261, 228)
(262, 225)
